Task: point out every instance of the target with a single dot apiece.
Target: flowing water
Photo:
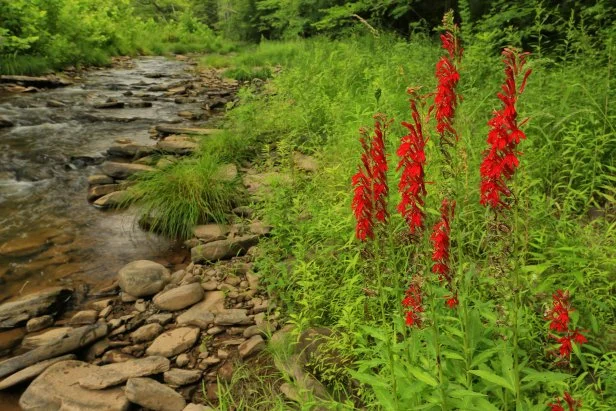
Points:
(44, 164)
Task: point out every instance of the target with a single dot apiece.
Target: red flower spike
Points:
(559, 321)
(370, 182)
(501, 160)
(413, 304)
(412, 156)
(440, 239)
(572, 404)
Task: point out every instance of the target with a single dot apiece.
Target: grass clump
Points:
(175, 199)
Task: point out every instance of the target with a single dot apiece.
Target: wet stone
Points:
(39, 323)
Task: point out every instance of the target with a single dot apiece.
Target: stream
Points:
(56, 236)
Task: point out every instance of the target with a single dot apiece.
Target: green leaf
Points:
(423, 376)
(452, 355)
(493, 378)
(483, 357)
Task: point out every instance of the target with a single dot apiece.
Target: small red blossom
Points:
(572, 404)
(501, 159)
(370, 182)
(452, 302)
(412, 302)
(412, 156)
(559, 320)
(440, 241)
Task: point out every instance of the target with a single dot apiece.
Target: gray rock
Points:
(146, 333)
(31, 372)
(259, 228)
(143, 278)
(153, 395)
(84, 317)
(177, 145)
(98, 191)
(99, 179)
(117, 199)
(211, 232)
(114, 374)
(39, 323)
(57, 388)
(251, 346)
(162, 318)
(167, 129)
(223, 249)
(123, 170)
(234, 316)
(129, 149)
(177, 377)
(202, 314)
(174, 342)
(48, 337)
(179, 298)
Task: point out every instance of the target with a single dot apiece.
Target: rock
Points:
(99, 191)
(114, 374)
(211, 232)
(44, 82)
(260, 184)
(305, 163)
(223, 249)
(99, 179)
(109, 104)
(234, 316)
(31, 372)
(146, 333)
(129, 149)
(167, 129)
(227, 173)
(5, 122)
(123, 170)
(55, 104)
(173, 342)
(39, 323)
(215, 330)
(178, 298)
(57, 388)
(24, 246)
(177, 377)
(251, 346)
(141, 305)
(233, 280)
(84, 317)
(162, 318)
(46, 301)
(10, 339)
(143, 278)
(153, 395)
(243, 211)
(78, 337)
(177, 145)
(116, 357)
(225, 372)
(198, 407)
(202, 314)
(182, 360)
(210, 285)
(46, 338)
(97, 349)
(260, 229)
(116, 199)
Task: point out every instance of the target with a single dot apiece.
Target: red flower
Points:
(559, 321)
(413, 303)
(440, 241)
(572, 403)
(412, 159)
(501, 159)
(446, 99)
(370, 181)
(452, 302)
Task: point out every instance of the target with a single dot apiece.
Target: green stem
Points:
(437, 349)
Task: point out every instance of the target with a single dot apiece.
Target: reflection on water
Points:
(50, 231)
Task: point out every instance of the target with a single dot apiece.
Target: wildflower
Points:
(572, 403)
(452, 302)
(440, 242)
(370, 181)
(559, 321)
(446, 99)
(412, 159)
(413, 304)
(501, 159)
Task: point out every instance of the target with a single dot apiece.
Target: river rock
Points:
(10, 339)
(146, 333)
(211, 232)
(179, 298)
(223, 249)
(31, 372)
(84, 317)
(233, 316)
(99, 179)
(251, 346)
(98, 191)
(114, 374)
(162, 318)
(198, 407)
(143, 278)
(78, 337)
(123, 170)
(109, 104)
(153, 395)
(33, 305)
(24, 246)
(202, 314)
(57, 388)
(45, 82)
(177, 377)
(129, 149)
(173, 342)
(167, 129)
(259, 228)
(117, 199)
(39, 323)
(5, 122)
(177, 145)
(48, 337)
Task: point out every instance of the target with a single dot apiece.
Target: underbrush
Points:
(325, 92)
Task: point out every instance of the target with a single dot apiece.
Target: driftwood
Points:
(77, 338)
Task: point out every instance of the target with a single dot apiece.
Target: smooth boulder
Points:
(153, 395)
(143, 278)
